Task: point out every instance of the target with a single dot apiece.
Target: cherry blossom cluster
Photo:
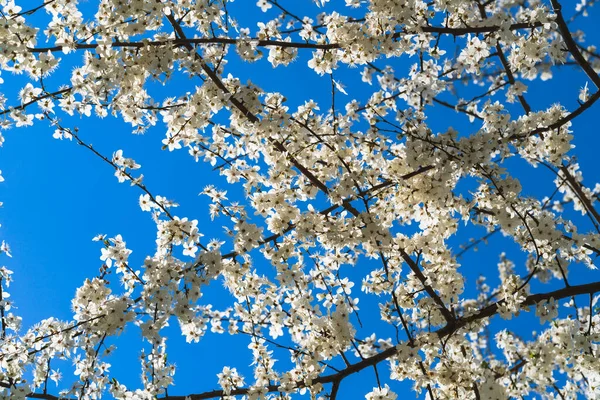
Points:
(351, 204)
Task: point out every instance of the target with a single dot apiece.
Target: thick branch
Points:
(478, 29)
(582, 196)
(184, 41)
(572, 46)
(583, 107)
(487, 312)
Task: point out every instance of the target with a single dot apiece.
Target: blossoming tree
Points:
(348, 200)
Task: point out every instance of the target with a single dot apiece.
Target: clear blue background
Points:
(57, 196)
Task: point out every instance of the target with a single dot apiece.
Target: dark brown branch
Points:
(249, 115)
(476, 29)
(184, 41)
(583, 107)
(45, 96)
(33, 10)
(2, 317)
(576, 186)
(334, 390)
(423, 279)
(487, 312)
(505, 65)
(456, 108)
(529, 301)
(572, 46)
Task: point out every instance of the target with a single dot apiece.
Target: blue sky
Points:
(57, 196)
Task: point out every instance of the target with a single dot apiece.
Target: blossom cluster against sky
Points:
(58, 196)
